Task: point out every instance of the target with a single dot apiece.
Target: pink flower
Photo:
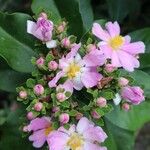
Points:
(42, 30)
(41, 128)
(133, 94)
(118, 48)
(79, 72)
(85, 136)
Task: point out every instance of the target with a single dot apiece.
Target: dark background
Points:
(138, 17)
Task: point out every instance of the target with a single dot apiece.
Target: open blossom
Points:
(118, 48)
(84, 136)
(79, 72)
(133, 94)
(41, 128)
(42, 30)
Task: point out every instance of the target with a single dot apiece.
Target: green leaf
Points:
(48, 6)
(16, 46)
(143, 35)
(10, 79)
(74, 11)
(119, 9)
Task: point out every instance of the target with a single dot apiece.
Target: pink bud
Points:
(38, 89)
(101, 102)
(40, 62)
(95, 115)
(109, 68)
(126, 107)
(61, 97)
(38, 106)
(61, 28)
(123, 81)
(52, 65)
(23, 94)
(64, 118)
(55, 109)
(79, 116)
(91, 47)
(30, 115)
(25, 129)
(43, 15)
(66, 42)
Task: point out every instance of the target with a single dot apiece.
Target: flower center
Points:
(116, 42)
(72, 70)
(48, 130)
(75, 142)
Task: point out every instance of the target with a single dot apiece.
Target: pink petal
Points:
(107, 50)
(92, 146)
(38, 138)
(83, 125)
(73, 51)
(90, 79)
(115, 59)
(39, 123)
(77, 83)
(68, 86)
(127, 39)
(127, 61)
(113, 28)
(31, 27)
(95, 134)
(53, 82)
(99, 32)
(94, 58)
(134, 48)
(57, 140)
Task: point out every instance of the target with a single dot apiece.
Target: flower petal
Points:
(134, 48)
(57, 140)
(77, 83)
(38, 138)
(31, 27)
(115, 59)
(53, 82)
(90, 79)
(51, 44)
(83, 125)
(94, 58)
(39, 123)
(113, 28)
(92, 146)
(99, 32)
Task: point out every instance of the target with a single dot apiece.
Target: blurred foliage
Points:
(133, 15)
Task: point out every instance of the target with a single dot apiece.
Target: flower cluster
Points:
(74, 84)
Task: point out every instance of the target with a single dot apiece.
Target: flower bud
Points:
(40, 62)
(123, 81)
(61, 97)
(30, 115)
(101, 102)
(52, 65)
(38, 106)
(55, 109)
(64, 118)
(43, 15)
(109, 68)
(25, 129)
(95, 115)
(23, 94)
(38, 89)
(91, 47)
(66, 42)
(126, 107)
(79, 116)
(61, 27)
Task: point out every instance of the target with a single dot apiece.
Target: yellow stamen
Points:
(72, 70)
(48, 130)
(116, 42)
(75, 142)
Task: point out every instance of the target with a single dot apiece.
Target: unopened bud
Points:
(52, 65)
(64, 118)
(123, 81)
(101, 102)
(61, 97)
(38, 106)
(38, 89)
(23, 94)
(109, 68)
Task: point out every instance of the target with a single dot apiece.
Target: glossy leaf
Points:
(16, 46)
